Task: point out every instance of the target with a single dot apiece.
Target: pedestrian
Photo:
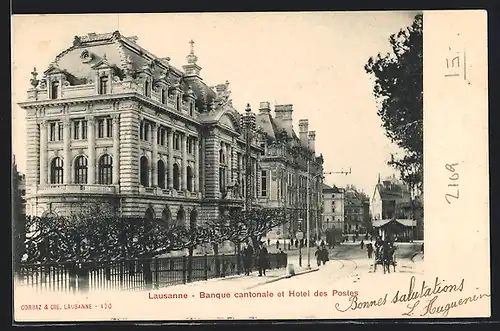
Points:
(268, 242)
(362, 244)
(319, 255)
(277, 244)
(296, 243)
(247, 259)
(369, 249)
(324, 255)
(263, 262)
(353, 239)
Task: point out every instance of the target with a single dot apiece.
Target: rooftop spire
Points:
(191, 58)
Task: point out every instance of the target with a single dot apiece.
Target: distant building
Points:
(356, 210)
(333, 208)
(392, 200)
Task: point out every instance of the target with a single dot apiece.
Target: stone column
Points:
(116, 149)
(196, 166)
(255, 178)
(43, 152)
(91, 149)
(67, 151)
(184, 162)
(228, 163)
(154, 156)
(171, 159)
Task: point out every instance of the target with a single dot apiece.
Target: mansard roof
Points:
(128, 58)
(274, 127)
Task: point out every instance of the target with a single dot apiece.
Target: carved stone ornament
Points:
(81, 151)
(105, 150)
(43, 83)
(116, 79)
(66, 83)
(33, 81)
(77, 41)
(56, 152)
(86, 56)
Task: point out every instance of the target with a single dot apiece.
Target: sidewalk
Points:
(239, 282)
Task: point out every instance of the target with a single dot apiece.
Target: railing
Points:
(134, 274)
(57, 188)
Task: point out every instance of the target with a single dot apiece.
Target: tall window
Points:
(175, 168)
(81, 170)
(147, 88)
(179, 101)
(190, 144)
(189, 175)
(177, 143)
(80, 129)
(191, 108)
(222, 178)
(56, 131)
(56, 171)
(161, 136)
(100, 128)
(109, 127)
(144, 170)
(54, 93)
(161, 174)
(263, 183)
(103, 85)
(164, 96)
(263, 151)
(105, 170)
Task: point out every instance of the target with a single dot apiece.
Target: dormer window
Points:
(164, 96)
(103, 85)
(179, 101)
(147, 88)
(54, 93)
(191, 108)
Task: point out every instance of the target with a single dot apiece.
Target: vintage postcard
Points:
(215, 166)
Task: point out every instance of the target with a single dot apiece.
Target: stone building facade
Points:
(333, 207)
(287, 164)
(111, 124)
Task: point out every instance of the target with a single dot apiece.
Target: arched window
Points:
(176, 176)
(144, 171)
(181, 217)
(189, 175)
(161, 174)
(105, 170)
(193, 219)
(166, 216)
(81, 170)
(56, 171)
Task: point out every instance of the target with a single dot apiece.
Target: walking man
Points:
(263, 256)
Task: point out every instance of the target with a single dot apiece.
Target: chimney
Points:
(303, 127)
(311, 140)
(264, 108)
(284, 113)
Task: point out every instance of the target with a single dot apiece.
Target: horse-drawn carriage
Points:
(385, 256)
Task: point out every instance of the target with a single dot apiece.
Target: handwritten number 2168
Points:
(454, 177)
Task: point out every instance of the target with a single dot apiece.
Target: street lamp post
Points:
(248, 123)
(309, 181)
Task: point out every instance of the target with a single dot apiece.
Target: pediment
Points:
(102, 64)
(227, 122)
(54, 70)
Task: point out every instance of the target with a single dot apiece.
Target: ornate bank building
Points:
(109, 124)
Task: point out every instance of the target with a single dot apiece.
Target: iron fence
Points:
(134, 274)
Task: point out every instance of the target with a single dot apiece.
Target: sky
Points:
(313, 60)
